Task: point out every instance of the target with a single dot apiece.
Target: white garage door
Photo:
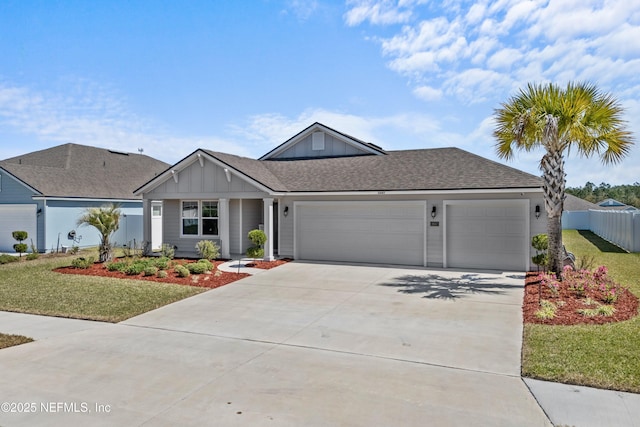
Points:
(389, 232)
(489, 235)
(14, 218)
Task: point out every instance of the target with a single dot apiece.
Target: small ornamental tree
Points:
(258, 238)
(20, 236)
(107, 221)
(540, 243)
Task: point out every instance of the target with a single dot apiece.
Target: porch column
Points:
(268, 228)
(146, 222)
(223, 227)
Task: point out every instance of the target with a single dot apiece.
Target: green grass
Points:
(604, 356)
(11, 340)
(31, 287)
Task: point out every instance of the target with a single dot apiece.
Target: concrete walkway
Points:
(302, 344)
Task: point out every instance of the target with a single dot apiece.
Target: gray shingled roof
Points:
(428, 169)
(73, 170)
(573, 203)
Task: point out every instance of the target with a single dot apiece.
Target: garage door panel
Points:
(361, 232)
(480, 235)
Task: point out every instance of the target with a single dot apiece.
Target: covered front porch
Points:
(181, 223)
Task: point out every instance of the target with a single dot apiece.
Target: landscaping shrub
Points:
(258, 238)
(6, 259)
(150, 271)
(20, 236)
(168, 251)
(161, 263)
(116, 265)
(182, 271)
(161, 274)
(200, 267)
(34, 252)
(135, 268)
(82, 262)
(540, 243)
(208, 249)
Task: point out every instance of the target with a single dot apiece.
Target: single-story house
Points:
(613, 204)
(325, 195)
(575, 215)
(46, 191)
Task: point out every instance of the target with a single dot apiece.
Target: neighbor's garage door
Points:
(490, 235)
(389, 232)
(14, 218)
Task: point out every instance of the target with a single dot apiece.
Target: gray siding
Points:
(251, 218)
(333, 147)
(203, 182)
(435, 234)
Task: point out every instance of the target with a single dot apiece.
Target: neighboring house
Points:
(575, 215)
(45, 192)
(324, 195)
(613, 204)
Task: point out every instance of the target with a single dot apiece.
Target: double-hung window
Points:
(209, 213)
(199, 218)
(190, 221)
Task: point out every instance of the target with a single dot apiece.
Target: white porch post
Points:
(223, 227)
(268, 228)
(146, 221)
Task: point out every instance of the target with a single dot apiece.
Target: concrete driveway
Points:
(303, 344)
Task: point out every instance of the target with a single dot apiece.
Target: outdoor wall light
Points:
(537, 211)
(286, 211)
(433, 212)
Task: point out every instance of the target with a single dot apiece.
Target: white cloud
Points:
(301, 9)
(384, 12)
(445, 45)
(427, 93)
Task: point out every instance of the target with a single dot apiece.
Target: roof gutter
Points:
(415, 192)
(75, 199)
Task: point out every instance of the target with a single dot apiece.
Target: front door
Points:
(156, 226)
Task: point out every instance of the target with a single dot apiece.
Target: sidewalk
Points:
(579, 406)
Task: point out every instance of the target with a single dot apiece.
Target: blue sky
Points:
(243, 76)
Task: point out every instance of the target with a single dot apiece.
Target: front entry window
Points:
(199, 218)
(190, 218)
(209, 218)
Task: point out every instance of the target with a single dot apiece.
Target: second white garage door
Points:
(488, 234)
(368, 232)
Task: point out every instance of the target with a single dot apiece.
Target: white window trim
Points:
(200, 218)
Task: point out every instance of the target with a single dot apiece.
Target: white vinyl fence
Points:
(619, 227)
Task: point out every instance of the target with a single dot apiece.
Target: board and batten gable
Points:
(319, 144)
(203, 180)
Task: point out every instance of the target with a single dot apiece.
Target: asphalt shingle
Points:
(74, 170)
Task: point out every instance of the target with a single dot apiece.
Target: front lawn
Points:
(32, 287)
(604, 356)
(11, 340)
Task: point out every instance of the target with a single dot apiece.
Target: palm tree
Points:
(107, 221)
(579, 117)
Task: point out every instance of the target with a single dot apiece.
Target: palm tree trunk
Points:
(553, 186)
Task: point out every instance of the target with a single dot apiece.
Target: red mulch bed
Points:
(626, 305)
(211, 280)
(266, 265)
